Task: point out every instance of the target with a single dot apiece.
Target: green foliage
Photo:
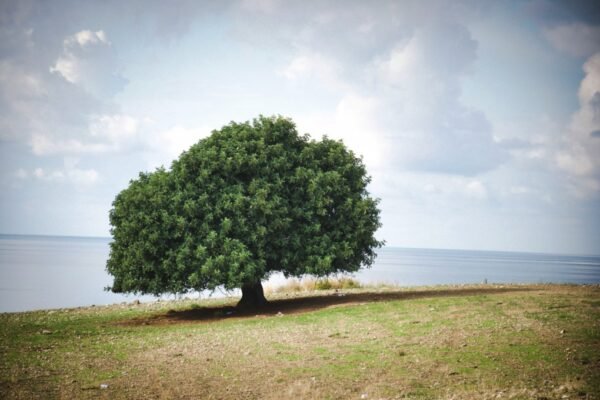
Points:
(248, 200)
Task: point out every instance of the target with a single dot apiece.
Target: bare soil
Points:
(306, 302)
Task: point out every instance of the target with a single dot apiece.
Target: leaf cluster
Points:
(250, 199)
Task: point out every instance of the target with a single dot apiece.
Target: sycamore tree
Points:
(249, 200)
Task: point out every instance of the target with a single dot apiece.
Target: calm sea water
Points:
(39, 272)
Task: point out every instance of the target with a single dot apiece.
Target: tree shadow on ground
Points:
(307, 303)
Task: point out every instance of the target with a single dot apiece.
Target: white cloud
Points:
(116, 128)
(438, 49)
(85, 38)
(590, 88)
(313, 65)
(177, 139)
(577, 39)
(19, 89)
(49, 99)
(427, 127)
(431, 189)
(401, 65)
(88, 61)
(401, 108)
(45, 144)
(83, 176)
(69, 173)
(520, 190)
(579, 154)
(575, 159)
(68, 68)
(163, 146)
(113, 133)
(263, 6)
(105, 133)
(21, 173)
(13, 79)
(476, 189)
(355, 121)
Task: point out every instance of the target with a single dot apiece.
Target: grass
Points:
(480, 342)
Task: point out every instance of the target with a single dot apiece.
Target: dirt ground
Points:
(305, 302)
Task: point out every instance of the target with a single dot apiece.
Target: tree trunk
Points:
(252, 296)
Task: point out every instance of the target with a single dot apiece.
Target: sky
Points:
(479, 121)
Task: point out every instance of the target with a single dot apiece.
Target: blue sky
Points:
(479, 121)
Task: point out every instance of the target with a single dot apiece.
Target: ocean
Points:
(43, 272)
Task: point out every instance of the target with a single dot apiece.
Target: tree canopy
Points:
(250, 199)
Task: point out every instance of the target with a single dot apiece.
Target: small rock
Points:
(562, 332)
(363, 396)
(46, 332)
(104, 386)
(279, 314)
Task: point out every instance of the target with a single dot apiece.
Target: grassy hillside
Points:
(484, 342)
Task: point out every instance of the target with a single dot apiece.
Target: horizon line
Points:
(388, 246)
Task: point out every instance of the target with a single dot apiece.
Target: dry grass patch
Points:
(312, 284)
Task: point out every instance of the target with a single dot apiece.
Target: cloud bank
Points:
(450, 104)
